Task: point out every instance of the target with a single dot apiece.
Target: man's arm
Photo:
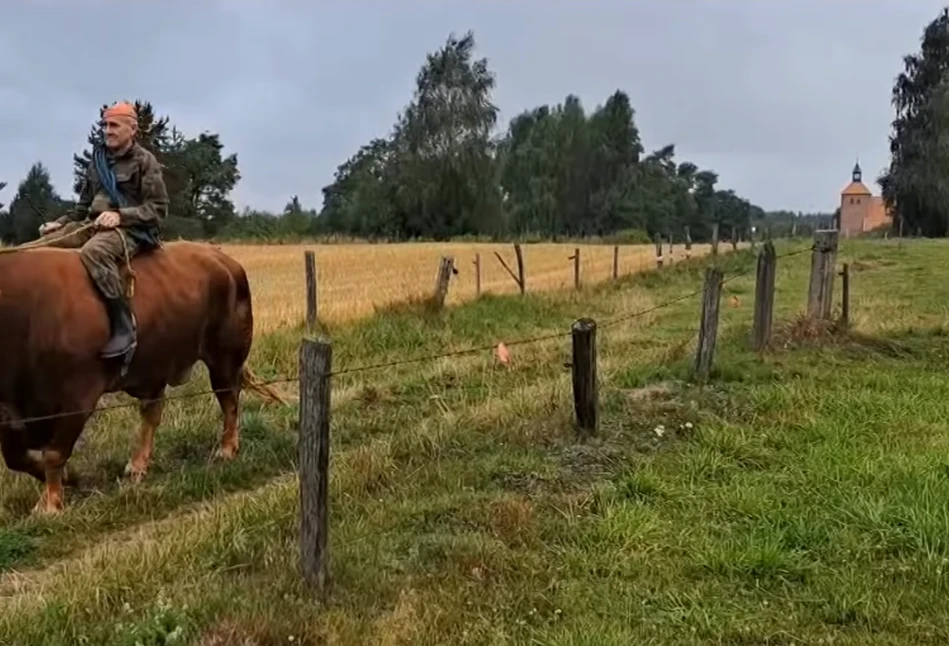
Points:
(154, 206)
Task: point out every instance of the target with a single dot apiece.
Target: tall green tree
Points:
(445, 153)
(35, 202)
(914, 185)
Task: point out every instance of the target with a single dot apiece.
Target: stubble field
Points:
(355, 279)
(797, 498)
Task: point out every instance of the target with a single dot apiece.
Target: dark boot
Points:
(122, 325)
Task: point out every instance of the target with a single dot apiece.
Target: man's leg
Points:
(69, 236)
(101, 257)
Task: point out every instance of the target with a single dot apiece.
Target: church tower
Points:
(855, 204)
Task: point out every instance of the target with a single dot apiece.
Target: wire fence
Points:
(616, 320)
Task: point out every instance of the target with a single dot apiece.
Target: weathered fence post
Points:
(821, 289)
(688, 243)
(576, 267)
(615, 262)
(309, 259)
(658, 239)
(316, 360)
(708, 326)
(734, 238)
(764, 297)
(845, 295)
(584, 375)
(714, 238)
(445, 268)
(477, 264)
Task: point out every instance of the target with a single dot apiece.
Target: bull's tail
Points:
(249, 381)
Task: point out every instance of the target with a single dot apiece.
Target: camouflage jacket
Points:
(138, 177)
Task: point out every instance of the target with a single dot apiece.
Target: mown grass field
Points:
(799, 497)
(355, 280)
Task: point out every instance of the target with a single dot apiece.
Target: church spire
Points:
(857, 173)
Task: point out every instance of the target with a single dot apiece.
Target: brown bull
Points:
(192, 303)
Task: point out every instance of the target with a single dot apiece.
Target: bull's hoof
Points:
(135, 473)
(44, 507)
(226, 452)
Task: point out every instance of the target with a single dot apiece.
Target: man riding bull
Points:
(118, 214)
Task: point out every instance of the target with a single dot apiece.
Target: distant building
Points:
(861, 210)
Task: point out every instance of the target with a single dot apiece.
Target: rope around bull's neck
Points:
(39, 244)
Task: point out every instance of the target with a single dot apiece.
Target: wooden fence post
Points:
(584, 375)
(309, 261)
(688, 243)
(821, 288)
(734, 238)
(708, 327)
(615, 262)
(845, 295)
(658, 251)
(445, 268)
(714, 238)
(764, 297)
(477, 264)
(316, 360)
(576, 267)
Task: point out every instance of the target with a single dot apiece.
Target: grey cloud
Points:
(778, 97)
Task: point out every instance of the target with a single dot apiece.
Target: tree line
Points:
(442, 172)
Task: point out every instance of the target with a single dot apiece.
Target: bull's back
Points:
(185, 294)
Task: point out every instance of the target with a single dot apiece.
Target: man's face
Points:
(118, 132)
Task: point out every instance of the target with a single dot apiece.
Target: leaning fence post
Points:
(821, 288)
(615, 262)
(316, 359)
(309, 259)
(708, 327)
(764, 297)
(445, 268)
(584, 375)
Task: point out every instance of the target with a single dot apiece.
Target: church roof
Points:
(856, 188)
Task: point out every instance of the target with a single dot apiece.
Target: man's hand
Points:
(108, 220)
(49, 227)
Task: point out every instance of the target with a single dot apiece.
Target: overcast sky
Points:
(778, 97)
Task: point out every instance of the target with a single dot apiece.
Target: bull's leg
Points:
(150, 410)
(227, 386)
(55, 455)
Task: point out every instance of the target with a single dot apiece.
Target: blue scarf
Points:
(107, 177)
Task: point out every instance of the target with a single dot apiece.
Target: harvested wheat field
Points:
(354, 279)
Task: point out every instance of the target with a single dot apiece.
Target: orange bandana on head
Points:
(120, 109)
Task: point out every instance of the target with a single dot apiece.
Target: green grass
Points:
(797, 497)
